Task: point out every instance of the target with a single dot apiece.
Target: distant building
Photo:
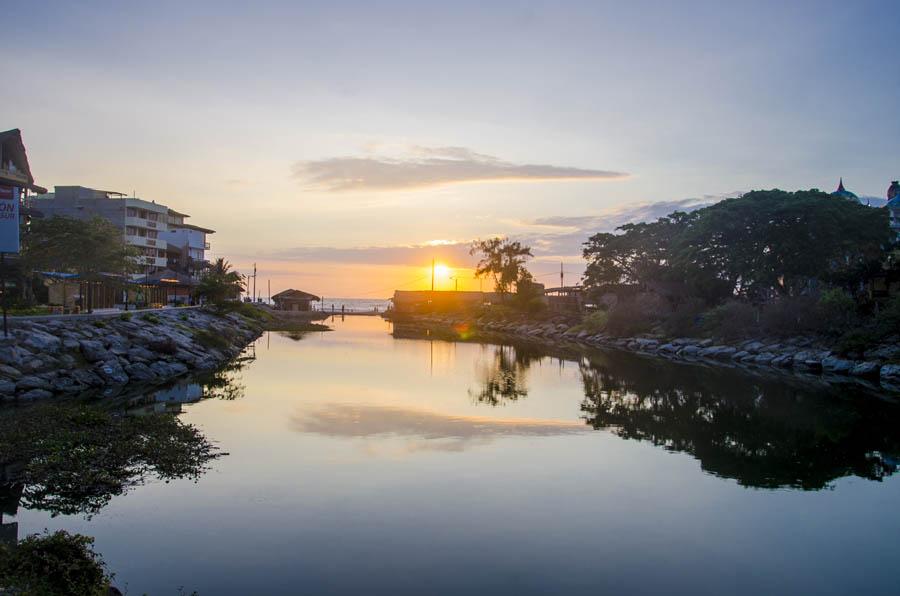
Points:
(414, 301)
(186, 245)
(846, 194)
(893, 205)
(140, 221)
(149, 226)
(294, 300)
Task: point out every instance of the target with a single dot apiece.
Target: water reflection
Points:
(424, 430)
(73, 457)
(762, 432)
(503, 376)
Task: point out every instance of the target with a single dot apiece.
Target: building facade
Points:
(153, 228)
(187, 244)
(140, 221)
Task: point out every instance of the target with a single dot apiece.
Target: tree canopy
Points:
(220, 282)
(86, 247)
(503, 260)
(764, 243)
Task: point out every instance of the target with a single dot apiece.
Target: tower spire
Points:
(840, 187)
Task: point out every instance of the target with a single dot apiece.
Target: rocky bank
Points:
(879, 364)
(48, 357)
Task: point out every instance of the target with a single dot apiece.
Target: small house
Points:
(294, 300)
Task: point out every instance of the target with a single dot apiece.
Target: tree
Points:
(220, 282)
(503, 260)
(777, 242)
(639, 254)
(88, 248)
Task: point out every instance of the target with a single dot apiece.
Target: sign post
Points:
(9, 239)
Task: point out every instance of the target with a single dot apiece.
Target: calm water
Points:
(363, 463)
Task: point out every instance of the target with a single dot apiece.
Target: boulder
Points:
(33, 394)
(32, 382)
(94, 350)
(7, 388)
(739, 355)
(111, 372)
(140, 354)
(890, 373)
(865, 369)
(689, 351)
(86, 378)
(140, 372)
(10, 372)
(836, 365)
(41, 342)
(783, 361)
(764, 358)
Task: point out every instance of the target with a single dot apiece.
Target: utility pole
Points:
(561, 284)
(254, 282)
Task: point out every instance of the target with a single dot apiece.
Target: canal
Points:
(364, 461)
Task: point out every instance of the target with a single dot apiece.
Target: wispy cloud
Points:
(424, 167)
(552, 236)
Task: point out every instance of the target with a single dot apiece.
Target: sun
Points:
(441, 271)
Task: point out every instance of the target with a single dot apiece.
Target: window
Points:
(132, 212)
(152, 234)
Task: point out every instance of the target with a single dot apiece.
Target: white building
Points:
(187, 243)
(141, 221)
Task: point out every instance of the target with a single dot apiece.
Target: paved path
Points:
(106, 313)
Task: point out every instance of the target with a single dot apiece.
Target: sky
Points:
(344, 145)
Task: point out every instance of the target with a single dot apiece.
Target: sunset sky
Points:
(343, 145)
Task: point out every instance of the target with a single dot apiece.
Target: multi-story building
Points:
(141, 222)
(187, 244)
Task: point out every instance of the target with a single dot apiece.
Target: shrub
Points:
(125, 316)
(151, 318)
(836, 312)
(856, 341)
(210, 339)
(685, 319)
(627, 318)
(595, 322)
(789, 316)
(731, 320)
(887, 322)
(58, 563)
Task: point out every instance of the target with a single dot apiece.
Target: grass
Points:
(211, 340)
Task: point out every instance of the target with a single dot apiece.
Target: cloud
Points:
(425, 167)
(456, 253)
(425, 430)
(552, 236)
(564, 235)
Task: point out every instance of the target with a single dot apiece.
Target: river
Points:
(358, 461)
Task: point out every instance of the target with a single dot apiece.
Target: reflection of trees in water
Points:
(74, 458)
(502, 379)
(762, 432)
(226, 382)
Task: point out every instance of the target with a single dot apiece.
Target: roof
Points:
(167, 276)
(13, 149)
(843, 192)
(193, 227)
(173, 212)
(294, 295)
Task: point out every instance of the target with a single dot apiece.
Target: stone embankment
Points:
(51, 357)
(800, 354)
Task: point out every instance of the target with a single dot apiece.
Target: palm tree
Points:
(220, 283)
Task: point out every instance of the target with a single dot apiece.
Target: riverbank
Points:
(804, 355)
(59, 356)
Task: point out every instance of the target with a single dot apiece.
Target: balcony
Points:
(206, 246)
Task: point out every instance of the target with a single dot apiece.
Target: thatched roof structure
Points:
(295, 295)
(14, 168)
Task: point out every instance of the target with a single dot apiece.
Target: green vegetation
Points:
(125, 316)
(150, 318)
(771, 262)
(211, 339)
(75, 458)
(504, 261)
(220, 283)
(57, 564)
(245, 309)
